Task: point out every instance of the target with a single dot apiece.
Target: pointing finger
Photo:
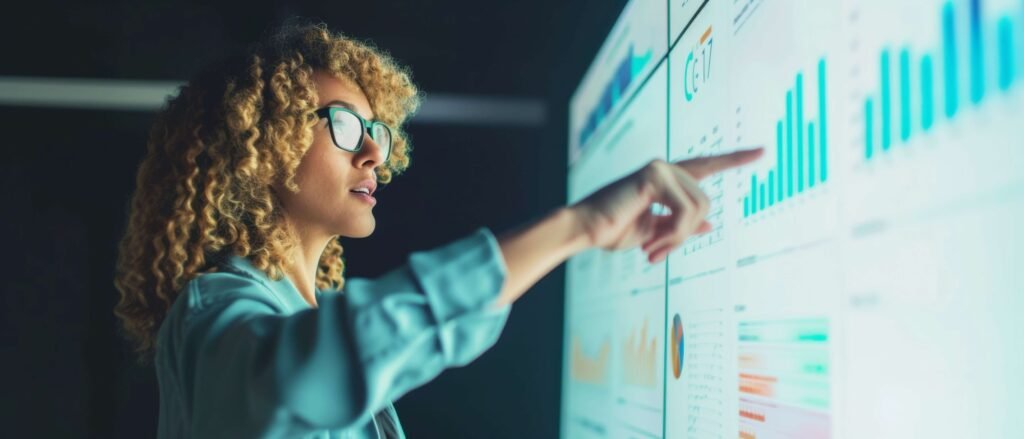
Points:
(705, 166)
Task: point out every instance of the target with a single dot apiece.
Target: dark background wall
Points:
(66, 175)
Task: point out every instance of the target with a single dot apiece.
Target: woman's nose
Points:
(370, 155)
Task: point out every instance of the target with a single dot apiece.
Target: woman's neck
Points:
(305, 261)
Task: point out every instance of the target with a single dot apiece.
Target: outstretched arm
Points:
(617, 217)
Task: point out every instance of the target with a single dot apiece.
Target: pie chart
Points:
(676, 347)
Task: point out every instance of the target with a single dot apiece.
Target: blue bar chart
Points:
(916, 110)
(801, 147)
(628, 71)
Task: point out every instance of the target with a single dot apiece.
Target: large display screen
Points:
(864, 279)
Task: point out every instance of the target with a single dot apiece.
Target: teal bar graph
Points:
(869, 129)
(949, 61)
(753, 194)
(801, 143)
(927, 93)
(904, 95)
(885, 106)
(798, 126)
(789, 143)
(992, 48)
(977, 54)
(1007, 60)
(810, 155)
(780, 168)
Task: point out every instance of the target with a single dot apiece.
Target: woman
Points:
(230, 270)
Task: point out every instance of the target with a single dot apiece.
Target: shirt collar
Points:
(283, 289)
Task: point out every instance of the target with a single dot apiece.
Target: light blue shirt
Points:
(240, 355)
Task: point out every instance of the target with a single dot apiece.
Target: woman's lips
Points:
(365, 197)
(369, 186)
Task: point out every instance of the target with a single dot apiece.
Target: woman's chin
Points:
(361, 230)
(361, 235)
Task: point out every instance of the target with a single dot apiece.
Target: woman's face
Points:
(330, 178)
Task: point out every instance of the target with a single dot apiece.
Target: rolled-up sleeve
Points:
(248, 370)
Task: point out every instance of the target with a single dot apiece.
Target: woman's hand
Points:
(616, 217)
(619, 216)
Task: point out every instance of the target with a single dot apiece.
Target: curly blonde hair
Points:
(216, 150)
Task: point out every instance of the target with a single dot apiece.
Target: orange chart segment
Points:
(639, 356)
(590, 369)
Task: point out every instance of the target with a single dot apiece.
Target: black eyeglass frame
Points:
(367, 125)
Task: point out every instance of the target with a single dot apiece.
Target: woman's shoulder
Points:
(221, 295)
(208, 304)
(228, 282)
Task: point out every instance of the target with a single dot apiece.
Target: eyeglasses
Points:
(347, 130)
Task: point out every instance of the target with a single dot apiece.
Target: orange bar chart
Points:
(591, 369)
(639, 355)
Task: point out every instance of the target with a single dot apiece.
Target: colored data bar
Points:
(786, 360)
(625, 74)
(761, 419)
(783, 377)
(801, 160)
(917, 114)
(785, 331)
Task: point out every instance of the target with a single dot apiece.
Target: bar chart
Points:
(639, 356)
(930, 86)
(626, 73)
(801, 147)
(590, 368)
